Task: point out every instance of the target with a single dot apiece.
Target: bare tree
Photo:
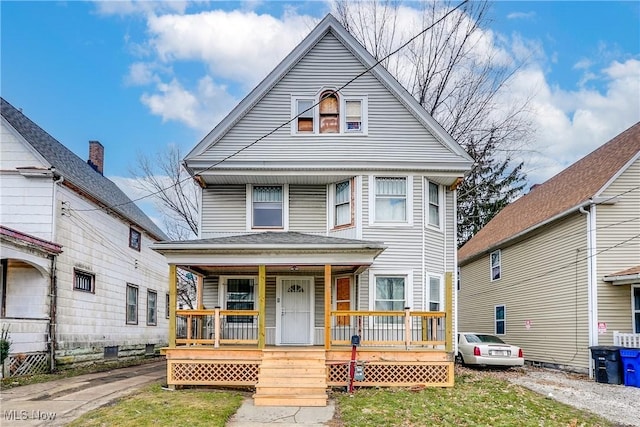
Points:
(455, 74)
(174, 192)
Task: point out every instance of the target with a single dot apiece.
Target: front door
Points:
(294, 314)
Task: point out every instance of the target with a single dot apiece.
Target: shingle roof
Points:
(289, 238)
(77, 172)
(567, 190)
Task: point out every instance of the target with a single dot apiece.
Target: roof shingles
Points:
(567, 190)
(77, 172)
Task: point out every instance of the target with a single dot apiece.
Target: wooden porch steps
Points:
(292, 377)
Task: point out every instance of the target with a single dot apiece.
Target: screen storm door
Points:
(294, 319)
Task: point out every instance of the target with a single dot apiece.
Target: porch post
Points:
(262, 304)
(448, 284)
(173, 294)
(199, 285)
(327, 307)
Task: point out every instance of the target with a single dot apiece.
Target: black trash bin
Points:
(608, 369)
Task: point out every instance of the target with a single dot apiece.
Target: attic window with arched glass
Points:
(329, 112)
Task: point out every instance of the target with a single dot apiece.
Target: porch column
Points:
(173, 294)
(448, 285)
(327, 306)
(262, 305)
(199, 286)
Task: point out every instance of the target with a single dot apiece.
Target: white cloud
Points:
(521, 15)
(145, 7)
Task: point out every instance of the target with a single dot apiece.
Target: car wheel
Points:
(460, 359)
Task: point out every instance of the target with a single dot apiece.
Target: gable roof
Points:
(566, 192)
(77, 172)
(329, 24)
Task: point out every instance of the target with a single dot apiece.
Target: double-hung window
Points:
(390, 295)
(500, 319)
(135, 239)
(240, 295)
(390, 199)
(304, 113)
(342, 204)
(267, 206)
(496, 265)
(353, 121)
(152, 308)
(435, 293)
(132, 304)
(433, 210)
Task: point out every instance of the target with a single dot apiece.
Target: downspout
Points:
(425, 305)
(454, 291)
(592, 290)
(53, 280)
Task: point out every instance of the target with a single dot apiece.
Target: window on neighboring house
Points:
(329, 112)
(167, 312)
(343, 215)
(152, 307)
(304, 114)
(500, 320)
(132, 304)
(83, 281)
(636, 309)
(390, 296)
(135, 238)
(240, 296)
(496, 270)
(435, 293)
(390, 199)
(267, 207)
(434, 205)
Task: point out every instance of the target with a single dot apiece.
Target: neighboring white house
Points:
(326, 198)
(78, 278)
(558, 270)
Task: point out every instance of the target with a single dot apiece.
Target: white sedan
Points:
(486, 349)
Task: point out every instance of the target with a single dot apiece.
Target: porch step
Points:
(292, 377)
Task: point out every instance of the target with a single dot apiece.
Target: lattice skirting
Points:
(28, 364)
(395, 374)
(212, 373)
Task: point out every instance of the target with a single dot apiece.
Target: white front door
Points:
(294, 314)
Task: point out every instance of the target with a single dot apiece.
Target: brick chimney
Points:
(96, 156)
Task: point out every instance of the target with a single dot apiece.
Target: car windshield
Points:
(482, 338)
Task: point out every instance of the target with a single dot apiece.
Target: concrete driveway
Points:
(58, 402)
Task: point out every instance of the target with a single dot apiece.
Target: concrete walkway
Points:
(58, 402)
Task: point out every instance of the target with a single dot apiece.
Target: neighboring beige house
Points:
(328, 210)
(78, 280)
(558, 270)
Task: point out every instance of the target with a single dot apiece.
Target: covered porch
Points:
(278, 312)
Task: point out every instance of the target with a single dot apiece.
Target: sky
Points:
(140, 76)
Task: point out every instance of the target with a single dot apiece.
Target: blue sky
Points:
(138, 76)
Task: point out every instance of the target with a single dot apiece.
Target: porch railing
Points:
(629, 340)
(216, 327)
(389, 328)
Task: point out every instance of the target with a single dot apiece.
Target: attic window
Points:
(304, 114)
(329, 112)
(134, 239)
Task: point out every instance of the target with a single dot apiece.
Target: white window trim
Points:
(331, 204)
(495, 319)
(427, 290)
(372, 202)
(408, 288)
(222, 287)
(316, 114)
(499, 251)
(285, 208)
(441, 204)
(634, 310)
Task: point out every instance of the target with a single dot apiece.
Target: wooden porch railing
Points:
(629, 340)
(390, 328)
(216, 327)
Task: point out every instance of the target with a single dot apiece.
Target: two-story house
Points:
(79, 282)
(558, 271)
(328, 212)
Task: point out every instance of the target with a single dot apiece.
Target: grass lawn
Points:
(154, 406)
(474, 401)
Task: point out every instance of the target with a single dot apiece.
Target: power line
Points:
(271, 132)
